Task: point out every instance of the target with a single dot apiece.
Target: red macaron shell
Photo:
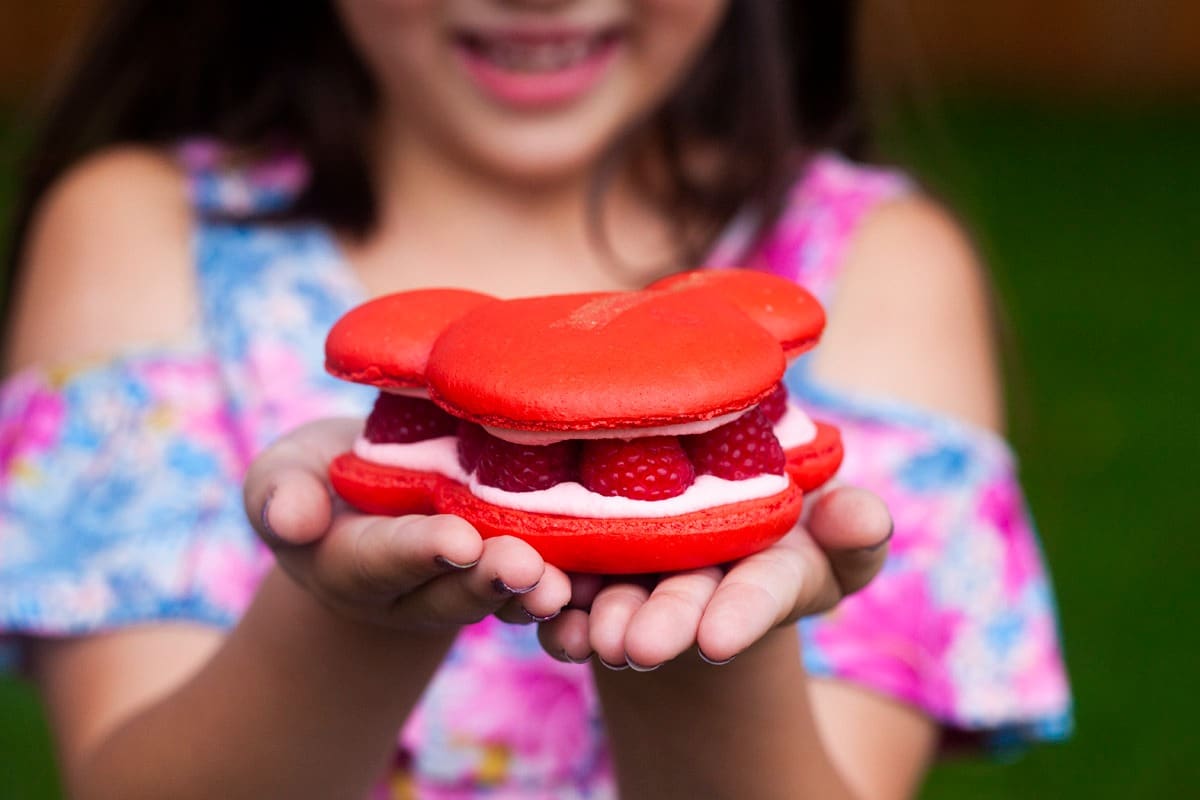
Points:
(380, 489)
(789, 312)
(812, 464)
(602, 361)
(386, 342)
(632, 546)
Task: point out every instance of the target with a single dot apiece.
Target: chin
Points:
(536, 155)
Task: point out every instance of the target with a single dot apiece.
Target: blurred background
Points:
(1066, 134)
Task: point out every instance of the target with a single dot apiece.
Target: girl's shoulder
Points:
(822, 212)
(909, 303)
(130, 247)
(114, 227)
(912, 315)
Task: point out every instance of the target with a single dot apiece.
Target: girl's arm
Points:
(295, 702)
(911, 321)
(305, 696)
(747, 728)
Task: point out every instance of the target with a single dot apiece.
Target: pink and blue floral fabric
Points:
(120, 503)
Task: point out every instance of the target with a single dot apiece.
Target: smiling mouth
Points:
(538, 53)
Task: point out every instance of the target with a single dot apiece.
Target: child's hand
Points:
(722, 612)
(414, 572)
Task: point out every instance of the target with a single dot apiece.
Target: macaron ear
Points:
(385, 342)
(790, 313)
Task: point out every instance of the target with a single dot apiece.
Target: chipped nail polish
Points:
(636, 667)
(568, 658)
(503, 588)
(708, 660)
(880, 545)
(269, 535)
(446, 563)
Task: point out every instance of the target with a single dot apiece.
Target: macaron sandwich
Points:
(616, 433)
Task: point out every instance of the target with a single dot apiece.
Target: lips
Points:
(537, 53)
(535, 69)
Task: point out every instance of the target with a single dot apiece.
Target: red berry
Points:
(738, 450)
(471, 438)
(398, 418)
(653, 468)
(526, 467)
(775, 404)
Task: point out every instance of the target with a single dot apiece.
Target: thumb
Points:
(286, 493)
(853, 528)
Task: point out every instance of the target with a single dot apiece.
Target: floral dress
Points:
(120, 503)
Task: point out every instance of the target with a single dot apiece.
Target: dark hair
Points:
(258, 76)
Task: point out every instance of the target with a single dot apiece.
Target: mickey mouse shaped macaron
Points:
(616, 433)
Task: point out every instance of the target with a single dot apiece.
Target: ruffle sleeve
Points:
(961, 623)
(120, 498)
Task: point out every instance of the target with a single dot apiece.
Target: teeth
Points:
(540, 57)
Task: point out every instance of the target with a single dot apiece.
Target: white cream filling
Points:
(550, 437)
(570, 499)
(794, 428)
(408, 391)
(440, 455)
(573, 500)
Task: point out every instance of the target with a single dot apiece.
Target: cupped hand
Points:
(421, 573)
(645, 622)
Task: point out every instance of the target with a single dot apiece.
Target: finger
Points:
(853, 527)
(367, 556)
(507, 568)
(548, 598)
(286, 493)
(566, 637)
(611, 612)
(811, 498)
(667, 622)
(584, 588)
(297, 511)
(780, 584)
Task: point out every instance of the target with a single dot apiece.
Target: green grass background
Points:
(1090, 220)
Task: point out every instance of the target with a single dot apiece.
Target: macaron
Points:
(795, 318)
(616, 433)
(385, 343)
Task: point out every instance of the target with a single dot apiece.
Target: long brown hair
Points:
(262, 75)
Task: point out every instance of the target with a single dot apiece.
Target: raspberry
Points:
(738, 450)
(775, 404)
(398, 419)
(471, 438)
(526, 467)
(653, 468)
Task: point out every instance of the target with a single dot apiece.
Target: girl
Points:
(218, 182)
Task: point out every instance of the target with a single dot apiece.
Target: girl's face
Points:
(527, 89)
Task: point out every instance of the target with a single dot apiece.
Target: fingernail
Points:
(567, 657)
(264, 518)
(636, 667)
(708, 660)
(613, 667)
(536, 618)
(446, 563)
(881, 544)
(503, 588)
